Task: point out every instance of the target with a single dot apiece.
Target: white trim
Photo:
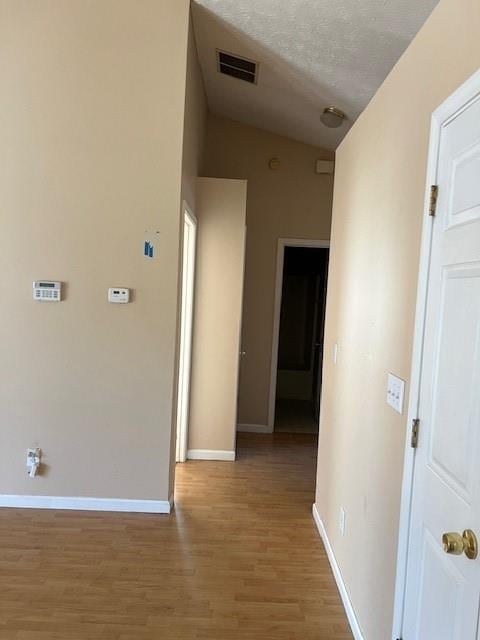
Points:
(186, 330)
(241, 352)
(86, 504)
(347, 603)
(282, 243)
(254, 428)
(210, 454)
(464, 95)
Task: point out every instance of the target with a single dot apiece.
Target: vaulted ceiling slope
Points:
(312, 54)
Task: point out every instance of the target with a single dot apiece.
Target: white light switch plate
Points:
(395, 392)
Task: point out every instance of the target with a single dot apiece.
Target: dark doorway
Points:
(300, 346)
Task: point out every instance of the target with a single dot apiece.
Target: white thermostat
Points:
(47, 290)
(119, 295)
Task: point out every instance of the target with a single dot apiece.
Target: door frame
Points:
(282, 243)
(459, 100)
(186, 335)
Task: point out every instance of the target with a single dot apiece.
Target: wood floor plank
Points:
(239, 559)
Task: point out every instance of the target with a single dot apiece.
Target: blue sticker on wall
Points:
(149, 243)
(148, 250)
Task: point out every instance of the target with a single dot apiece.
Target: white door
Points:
(186, 323)
(443, 589)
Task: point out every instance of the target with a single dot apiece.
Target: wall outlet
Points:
(395, 392)
(341, 520)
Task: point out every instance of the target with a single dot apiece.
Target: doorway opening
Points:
(298, 336)
(186, 324)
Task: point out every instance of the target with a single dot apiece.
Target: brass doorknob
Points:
(457, 544)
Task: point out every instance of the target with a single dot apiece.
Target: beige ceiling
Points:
(311, 54)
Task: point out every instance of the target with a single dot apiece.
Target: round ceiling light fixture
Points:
(332, 117)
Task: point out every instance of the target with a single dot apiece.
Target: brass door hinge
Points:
(415, 430)
(433, 200)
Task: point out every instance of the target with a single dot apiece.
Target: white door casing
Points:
(442, 591)
(186, 325)
(282, 243)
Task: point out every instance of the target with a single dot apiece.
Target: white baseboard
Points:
(210, 454)
(349, 610)
(254, 428)
(86, 504)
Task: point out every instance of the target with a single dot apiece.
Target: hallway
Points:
(295, 416)
(240, 559)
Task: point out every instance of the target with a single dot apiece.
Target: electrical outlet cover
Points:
(395, 392)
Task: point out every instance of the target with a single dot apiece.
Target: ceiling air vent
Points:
(236, 67)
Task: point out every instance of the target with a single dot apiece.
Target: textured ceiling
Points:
(312, 54)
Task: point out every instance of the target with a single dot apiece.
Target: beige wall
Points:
(195, 122)
(91, 119)
(221, 210)
(378, 206)
(292, 202)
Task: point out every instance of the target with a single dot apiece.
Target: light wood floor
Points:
(239, 560)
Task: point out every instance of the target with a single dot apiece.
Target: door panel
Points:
(439, 579)
(465, 201)
(455, 404)
(443, 590)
